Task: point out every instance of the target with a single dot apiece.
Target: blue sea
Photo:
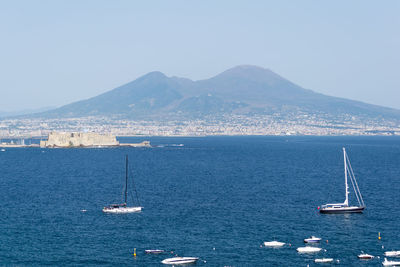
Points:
(216, 198)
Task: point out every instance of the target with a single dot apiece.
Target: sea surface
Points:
(216, 198)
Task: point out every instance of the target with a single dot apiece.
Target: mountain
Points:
(243, 90)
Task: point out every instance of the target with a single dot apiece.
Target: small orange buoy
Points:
(327, 241)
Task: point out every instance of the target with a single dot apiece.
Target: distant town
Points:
(275, 124)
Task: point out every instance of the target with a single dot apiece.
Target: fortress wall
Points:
(57, 139)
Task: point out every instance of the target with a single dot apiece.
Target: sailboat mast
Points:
(126, 179)
(345, 177)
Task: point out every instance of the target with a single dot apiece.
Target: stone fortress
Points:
(61, 139)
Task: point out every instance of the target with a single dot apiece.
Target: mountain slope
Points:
(246, 90)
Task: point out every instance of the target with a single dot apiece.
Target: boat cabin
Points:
(334, 206)
(116, 206)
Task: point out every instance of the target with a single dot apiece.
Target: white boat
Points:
(390, 263)
(180, 260)
(308, 249)
(323, 260)
(312, 239)
(392, 253)
(344, 207)
(274, 244)
(154, 251)
(123, 208)
(365, 256)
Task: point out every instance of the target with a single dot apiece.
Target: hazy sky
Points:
(56, 52)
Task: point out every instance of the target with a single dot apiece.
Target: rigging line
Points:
(134, 187)
(122, 193)
(354, 188)
(358, 189)
(352, 179)
(355, 181)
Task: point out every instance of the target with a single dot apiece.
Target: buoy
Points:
(379, 235)
(327, 241)
(134, 252)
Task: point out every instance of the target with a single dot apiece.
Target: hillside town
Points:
(276, 124)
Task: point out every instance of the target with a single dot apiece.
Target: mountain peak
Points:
(247, 68)
(154, 75)
(249, 72)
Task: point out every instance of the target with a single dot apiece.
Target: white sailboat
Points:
(122, 208)
(344, 207)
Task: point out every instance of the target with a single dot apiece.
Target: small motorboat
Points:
(308, 249)
(274, 244)
(154, 251)
(390, 263)
(392, 253)
(180, 260)
(312, 239)
(365, 256)
(323, 260)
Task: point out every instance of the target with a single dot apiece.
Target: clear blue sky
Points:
(56, 52)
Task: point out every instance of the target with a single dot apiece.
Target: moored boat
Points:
(344, 207)
(180, 260)
(308, 249)
(323, 260)
(365, 256)
(154, 251)
(274, 244)
(392, 253)
(123, 208)
(390, 263)
(312, 239)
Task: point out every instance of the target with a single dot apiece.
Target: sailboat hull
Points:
(120, 210)
(340, 210)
